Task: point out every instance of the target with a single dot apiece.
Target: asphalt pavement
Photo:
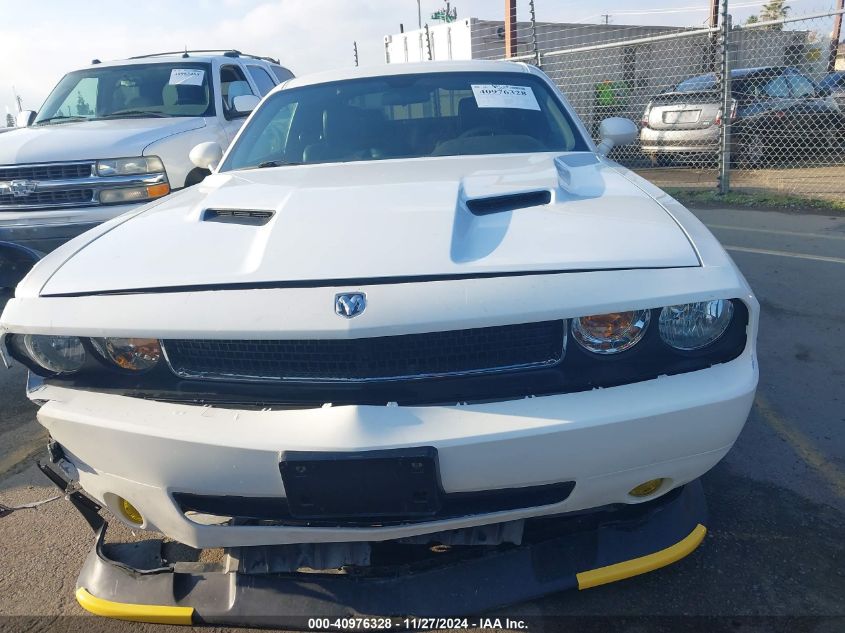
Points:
(773, 559)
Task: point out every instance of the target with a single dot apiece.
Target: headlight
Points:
(130, 166)
(132, 354)
(56, 354)
(691, 326)
(610, 333)
(133, 194)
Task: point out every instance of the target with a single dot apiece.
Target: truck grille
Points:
(56, 185)
(408, 356)
(56, 171)
(50, 198)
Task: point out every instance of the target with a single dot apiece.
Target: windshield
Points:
(137, 90)
(406, 116)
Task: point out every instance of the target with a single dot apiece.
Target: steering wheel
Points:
(479, 130)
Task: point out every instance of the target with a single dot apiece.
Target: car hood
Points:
(343, 224)
(88, 140)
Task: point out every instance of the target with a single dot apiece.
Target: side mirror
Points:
(206, 155)
(25, 118)
(244, 104)
(616, 131)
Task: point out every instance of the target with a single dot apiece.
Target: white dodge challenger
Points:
(415, 328)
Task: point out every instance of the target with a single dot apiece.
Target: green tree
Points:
(774, 10)
(82, 107)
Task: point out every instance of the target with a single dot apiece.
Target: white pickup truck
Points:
(115, 135)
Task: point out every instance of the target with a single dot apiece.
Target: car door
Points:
(814, 118)
(233, 83)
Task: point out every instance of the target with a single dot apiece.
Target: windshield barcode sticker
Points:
(502, 96)
(186, 77)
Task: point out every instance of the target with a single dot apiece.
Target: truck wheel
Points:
(196, 176)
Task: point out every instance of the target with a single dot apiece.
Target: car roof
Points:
(385, 70)
(169, 58)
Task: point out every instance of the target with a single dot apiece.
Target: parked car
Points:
(115, 135)
(415, 325)
(834, 83)
(774, 110)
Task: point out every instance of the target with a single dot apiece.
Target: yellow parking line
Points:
(761, 251)
(774, 231)
(802, 446)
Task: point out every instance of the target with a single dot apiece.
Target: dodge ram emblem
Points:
(18, 188)
(350, 304)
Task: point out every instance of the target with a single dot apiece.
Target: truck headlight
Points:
(132, 354)
(133, 194)
(691, 326)
(610, 333)
(56, 354)
(130, 166)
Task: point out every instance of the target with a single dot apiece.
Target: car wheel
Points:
(753, 151)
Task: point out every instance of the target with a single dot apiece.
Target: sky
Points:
(38, 47)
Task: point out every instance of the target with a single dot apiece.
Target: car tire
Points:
(196, 176)
(663, 160)
(753, 151)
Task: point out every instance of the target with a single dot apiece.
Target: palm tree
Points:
(774, 10)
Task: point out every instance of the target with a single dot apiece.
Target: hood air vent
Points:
(508, 202)
(248, 217)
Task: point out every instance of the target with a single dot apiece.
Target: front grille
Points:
(57, 185)
(455, 352)
(50, 198)
(56, 171)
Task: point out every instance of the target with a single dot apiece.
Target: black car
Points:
(835, 84)
(775, 112)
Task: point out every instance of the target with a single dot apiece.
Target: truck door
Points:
(233, 83)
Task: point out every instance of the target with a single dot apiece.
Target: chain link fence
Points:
(743, 107)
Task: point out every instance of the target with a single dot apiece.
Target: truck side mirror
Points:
(25, 118)
(244, 104)
(616, 131)
(206, 155)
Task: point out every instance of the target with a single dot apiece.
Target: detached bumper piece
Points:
(557, 553)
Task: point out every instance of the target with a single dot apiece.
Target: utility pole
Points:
(510, 28)
(710, 64)
(834, 37)
(606, 18)
(355, 51)
(18, 99)
(727, 101)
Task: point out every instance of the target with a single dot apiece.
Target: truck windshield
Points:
(407, 116)
(136, 90)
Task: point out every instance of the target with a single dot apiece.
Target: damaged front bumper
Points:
(577, 550)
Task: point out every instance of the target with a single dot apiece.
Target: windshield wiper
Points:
(277, 163)
(121, 113)
(62, 118)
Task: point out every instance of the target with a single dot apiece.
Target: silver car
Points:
(772, 109)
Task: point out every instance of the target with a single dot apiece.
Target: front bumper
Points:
(579, 551)
(45, 231)
(605, 441)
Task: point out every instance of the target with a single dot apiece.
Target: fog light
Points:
(646, 488)
(129, 512)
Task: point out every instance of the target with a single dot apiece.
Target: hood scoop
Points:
(508, 202)
(246, 217)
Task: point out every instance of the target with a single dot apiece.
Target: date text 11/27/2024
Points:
(418, 623)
